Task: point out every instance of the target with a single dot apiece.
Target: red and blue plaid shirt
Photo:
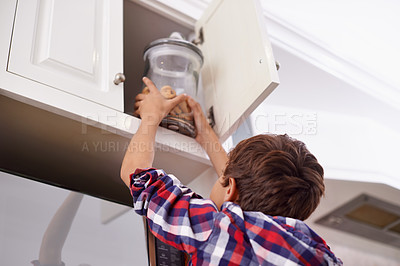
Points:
(186, 221)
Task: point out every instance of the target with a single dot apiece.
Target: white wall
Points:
(351, 256)
(349, 147)
(26, 208)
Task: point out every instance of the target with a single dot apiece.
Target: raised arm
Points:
(152, 108)
(207, 138)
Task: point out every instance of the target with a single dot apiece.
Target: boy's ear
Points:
(231, 193)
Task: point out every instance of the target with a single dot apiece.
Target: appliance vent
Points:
(368, 217)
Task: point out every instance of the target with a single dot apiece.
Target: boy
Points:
(264, 181)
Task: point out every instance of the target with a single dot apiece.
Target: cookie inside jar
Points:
(174, 64)
(180, 118)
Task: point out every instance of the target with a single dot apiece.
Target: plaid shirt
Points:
(186, 221)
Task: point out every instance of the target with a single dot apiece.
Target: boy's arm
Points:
(207, 138)
(175, 214)
(152, 108)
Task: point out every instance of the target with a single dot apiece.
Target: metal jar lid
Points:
(175, 41)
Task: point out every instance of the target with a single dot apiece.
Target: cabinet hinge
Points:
(278, 66)
(200, 38)
(210, 116)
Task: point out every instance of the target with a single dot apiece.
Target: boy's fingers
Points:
(195, 106)
(177, 100)
(140, 97)
(150, 84)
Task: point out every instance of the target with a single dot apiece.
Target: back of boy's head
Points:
(276, 175)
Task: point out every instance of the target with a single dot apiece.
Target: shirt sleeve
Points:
(176, 215)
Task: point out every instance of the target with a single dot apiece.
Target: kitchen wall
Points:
(26, 209)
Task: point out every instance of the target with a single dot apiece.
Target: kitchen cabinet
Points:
(73, 46)
(62, 56)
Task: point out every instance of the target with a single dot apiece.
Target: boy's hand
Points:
(153, 107)
(207, 138)
(204, 130)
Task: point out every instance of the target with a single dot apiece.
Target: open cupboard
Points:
(59, 61)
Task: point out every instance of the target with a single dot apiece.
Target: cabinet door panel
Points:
(71, 45)
(239, 69)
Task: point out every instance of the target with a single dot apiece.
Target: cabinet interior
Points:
(142, 26)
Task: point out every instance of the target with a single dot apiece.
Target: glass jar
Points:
(174, 64)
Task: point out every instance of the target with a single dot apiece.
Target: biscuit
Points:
(146, 90)
(168, 92)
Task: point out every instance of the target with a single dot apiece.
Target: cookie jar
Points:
(174, 64)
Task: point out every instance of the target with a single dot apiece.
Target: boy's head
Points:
(274, 174)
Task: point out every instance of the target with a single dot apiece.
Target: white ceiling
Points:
(363, 32)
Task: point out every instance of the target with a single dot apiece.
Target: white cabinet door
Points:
(70, 45)
(239, 69)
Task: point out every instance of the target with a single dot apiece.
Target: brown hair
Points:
(276, 175)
